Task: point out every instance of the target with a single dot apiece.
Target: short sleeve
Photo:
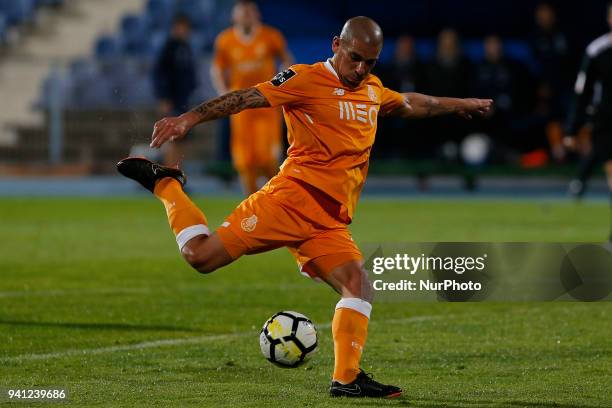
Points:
(288, 86)
(390, 101)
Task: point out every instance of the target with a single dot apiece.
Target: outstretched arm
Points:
(172, 128)
(424, 106)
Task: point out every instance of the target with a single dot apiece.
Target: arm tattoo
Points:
(230, 103)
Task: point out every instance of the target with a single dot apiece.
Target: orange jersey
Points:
(249, 61)
(331, 128)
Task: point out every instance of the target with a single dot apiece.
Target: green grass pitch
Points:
(95, 298)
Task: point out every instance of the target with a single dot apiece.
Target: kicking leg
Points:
(204, 252)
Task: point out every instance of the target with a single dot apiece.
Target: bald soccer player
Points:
(246, 54)
(331, 110)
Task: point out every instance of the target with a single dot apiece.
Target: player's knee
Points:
(202, 263)
(198, 257)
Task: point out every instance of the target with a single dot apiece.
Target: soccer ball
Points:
(288, 338)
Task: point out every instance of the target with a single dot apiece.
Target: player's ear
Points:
(335, 44)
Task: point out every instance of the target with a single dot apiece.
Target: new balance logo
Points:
(359, 112)
(338, 91)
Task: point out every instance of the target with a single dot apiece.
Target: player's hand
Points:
(169, 129)
(474, 107)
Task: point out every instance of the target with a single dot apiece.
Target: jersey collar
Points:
(330, 68)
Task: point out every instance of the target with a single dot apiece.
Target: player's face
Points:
(245, 15)
(354, 60)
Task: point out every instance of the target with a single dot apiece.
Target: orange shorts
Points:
(256, 138)
(284, 214)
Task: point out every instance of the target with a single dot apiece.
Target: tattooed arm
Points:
(424, 106)
(173, 128)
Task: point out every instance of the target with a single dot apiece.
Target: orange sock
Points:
(349, 329)
(186, 219)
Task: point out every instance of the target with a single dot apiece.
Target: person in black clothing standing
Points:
(174, 79)
(501, 79)
(448, 74)
(593, 95)
(405, 74)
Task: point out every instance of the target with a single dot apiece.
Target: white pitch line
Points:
(182, 341)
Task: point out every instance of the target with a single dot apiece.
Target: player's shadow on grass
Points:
(431, 403)
(99, 326)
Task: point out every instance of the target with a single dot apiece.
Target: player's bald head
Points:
(356, 50)
(362, 29)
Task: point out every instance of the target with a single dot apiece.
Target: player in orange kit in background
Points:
(246, 54)
(331, 109)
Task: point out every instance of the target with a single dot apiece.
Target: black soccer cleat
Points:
(364, 386)
(148, 173)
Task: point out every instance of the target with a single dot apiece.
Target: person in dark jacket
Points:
(174, 78)
(502, 79)
(448, 74)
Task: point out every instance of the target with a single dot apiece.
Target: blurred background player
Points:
(594, 93)
(246, 54)
(174, 79)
